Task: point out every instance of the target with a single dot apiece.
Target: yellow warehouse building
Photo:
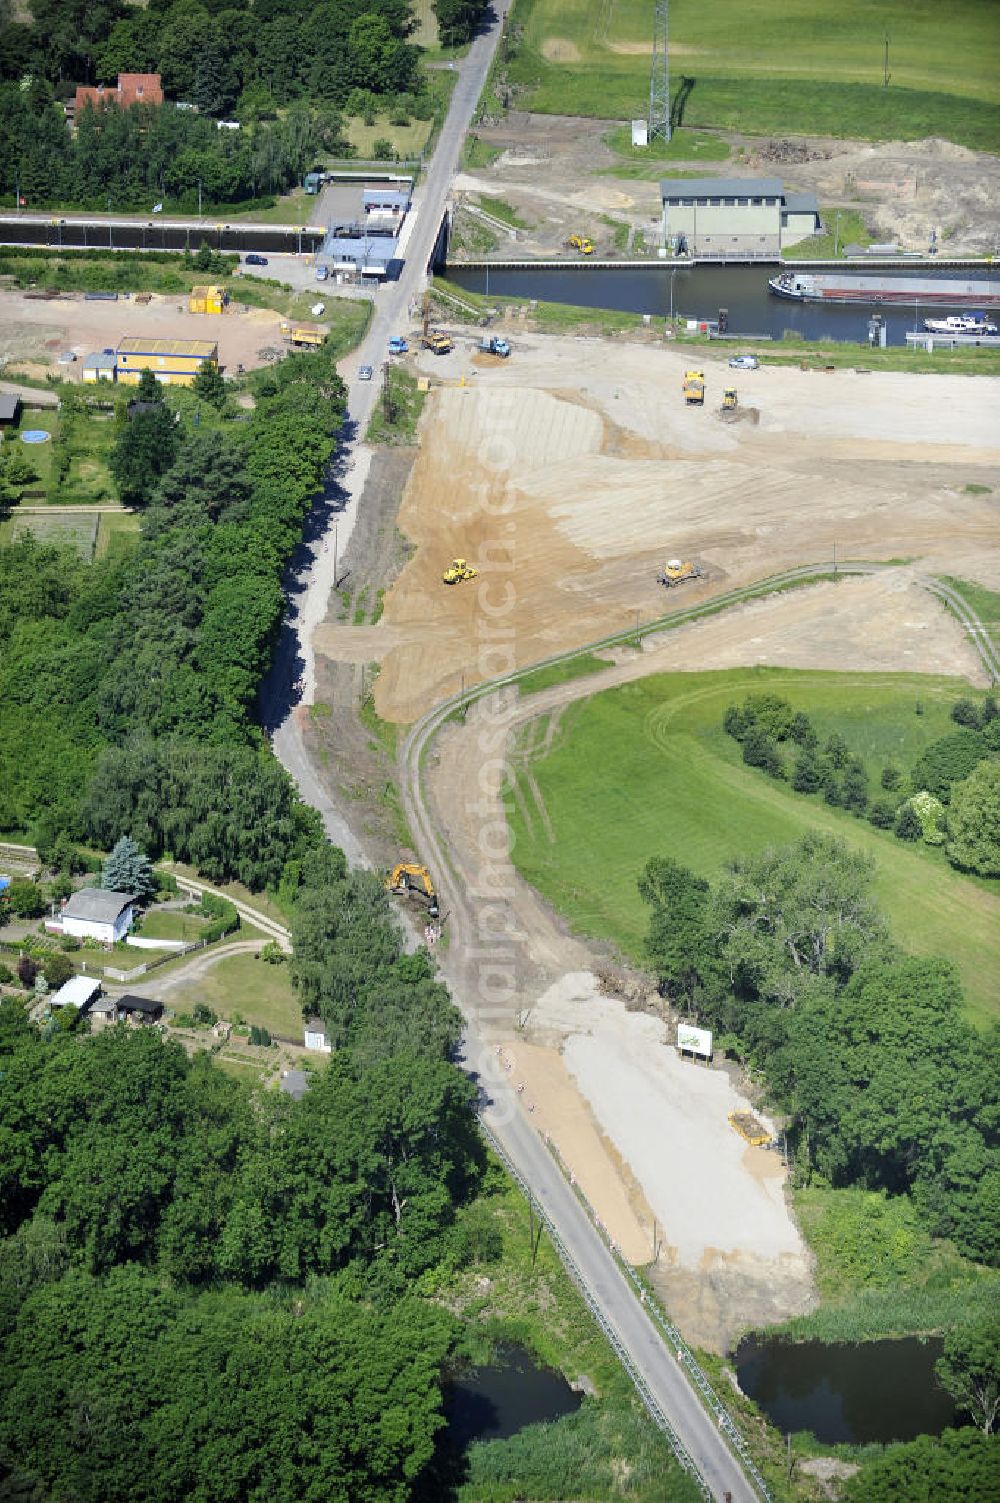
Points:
(174, 362)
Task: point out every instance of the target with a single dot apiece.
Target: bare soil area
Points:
(570, 473)
(39, 330)
(714, 1207)
(559, 173)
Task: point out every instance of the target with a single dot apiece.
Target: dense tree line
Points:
(127, 158)
(207, 1294)
(957, 1464)
(960, 770)
(216, 54)
(128, 685)
(864, 1047)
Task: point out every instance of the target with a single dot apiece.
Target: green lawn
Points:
(64, 528)
(646, 769)
(172, 924)
(261, 993)
(804, 66)
(843, 227)
(118, 533)
(408, 141)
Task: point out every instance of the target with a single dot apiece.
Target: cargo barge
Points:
(837, 287)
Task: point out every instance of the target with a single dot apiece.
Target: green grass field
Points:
(172, 924)
(646, 769)
(804, 66)
(261, 993)
(63, 528)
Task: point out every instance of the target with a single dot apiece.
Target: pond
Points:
(875, 1391)
(494, 1401)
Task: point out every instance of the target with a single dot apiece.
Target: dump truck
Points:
(582, 243)
(694, 388)
(749, 1128)
(437, 342)
(676, 570)
(407, 877)
(457, 571)
(492, 344)
(304, 336)
(729, 399)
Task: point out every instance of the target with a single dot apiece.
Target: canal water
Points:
(875, 1391)
(492, 1402)
(700, 291)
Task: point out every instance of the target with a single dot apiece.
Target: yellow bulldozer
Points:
(582, 243)
(407, 877)
(729, 399)
(676, 570)
(457, 571)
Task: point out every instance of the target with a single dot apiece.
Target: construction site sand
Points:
(713, 1198)
(561, 1115)
(578, 462)
(32, 327)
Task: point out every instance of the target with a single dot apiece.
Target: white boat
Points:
(959, 325)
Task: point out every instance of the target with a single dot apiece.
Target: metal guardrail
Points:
(683, 1456)
(685, 1355)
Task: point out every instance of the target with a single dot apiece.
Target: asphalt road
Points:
(291, 679)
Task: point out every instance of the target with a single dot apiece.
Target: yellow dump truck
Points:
(304, 336)
(694, 388)
(437, 342)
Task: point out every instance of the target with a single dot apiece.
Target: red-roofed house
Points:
(133, 88)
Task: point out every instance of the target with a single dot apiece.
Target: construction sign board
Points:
(692, 1040)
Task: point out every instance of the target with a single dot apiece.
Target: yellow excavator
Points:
(582, 243)
(457, 571)
(407, 877)
(676, 570)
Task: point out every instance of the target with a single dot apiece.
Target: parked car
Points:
(744, 362)
(398, 345)
(365, 373)
(67, 357)
(254, 260)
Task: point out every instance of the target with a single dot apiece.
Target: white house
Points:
(78, 992)
(316, 1036)
(93, 913)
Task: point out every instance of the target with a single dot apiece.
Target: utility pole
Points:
(659, 78)
(335, 555)
(885, 61)
(199, 198)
